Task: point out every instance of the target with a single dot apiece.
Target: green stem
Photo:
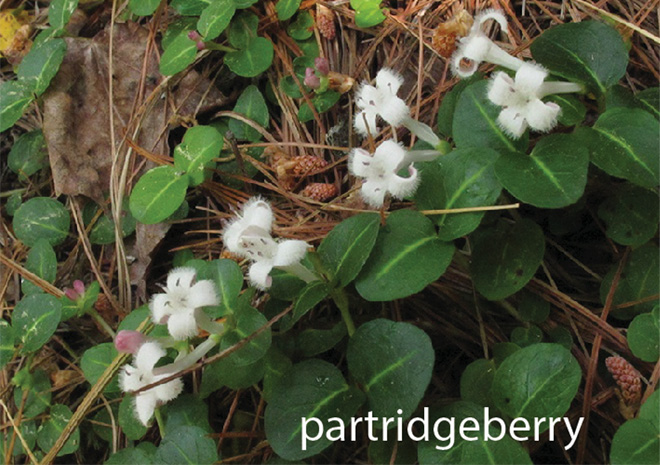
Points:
(161, 423)
(94, 314)
(341, 300)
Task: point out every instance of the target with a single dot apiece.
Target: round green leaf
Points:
(252, 105)
(505, 257)
(313, 294)
(228, 279)
(226, 372)
(464, 178)
(6, 343)
(37, 384)
(253, 60)
(448, 104)
(312, 388)
(476, 381)
(286, 8)
(35, 319)
(131, 426)
(554, 175)
(28, 154)
(15, 97)
(475, 122)
(180, 53)
(624, 144)
(572, 111)
(367, 13)
(393, 363)
(561, 336)
(589, 52)
(636, 442)
(187, 410)
(649, 100)
(96, 360)
(639, 280)
(41, 64)
(277, 366)
(178, 27)
(630, 215)
(200, 145)
(14, 201)
(130, 456)
(537, 381)
(526, 336)
(187, 445)
(60, 11)
(41, 260)
(50, 432)
(190, 7)
(243, 29)
(248, 321)
(158, 194)
(650, 409)
(103, 230)
(312, 342)
(643, 336)
(406, 258)
(346, 248)
(533, 308)
(143, 7)
(302, 28)
(215, 18)
(322, 102)
(41, 218)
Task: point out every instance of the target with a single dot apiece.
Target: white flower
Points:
(521, 99)
(141, 373)
(380, 100)
(180, 305)
(476, 47)
(380, 172)
(249, 236)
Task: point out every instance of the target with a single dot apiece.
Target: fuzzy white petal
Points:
(145, 404)
(401, 187)
(182, 324)
(512, 122)
(365, 123)
(389, 80)
(367, 97)
(394, 110)
(258, 274)
(488, 14)
(374, 192)
(129, 379)
(168, 391)
(501, 90)
(148, 355)
(390, 155)
(257, 212)
(290, 252)
(359, 162)
(160, 307)
(203, 294)
(542, 116)
(530, 78)
(181, 278)
(476, 48)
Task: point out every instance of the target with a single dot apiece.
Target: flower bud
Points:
(194, 35)
(311, 79)
(322, 65)
(128, 342)
(71, 294)
(79, 286)
(201, 45)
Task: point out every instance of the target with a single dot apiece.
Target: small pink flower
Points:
(311, 79)
(79, 286)
(128, 342)
(322, 65)
(194, 35)
(77, 291)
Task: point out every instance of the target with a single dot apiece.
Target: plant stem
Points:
(159, 420)
(99, 319)
(341, 300)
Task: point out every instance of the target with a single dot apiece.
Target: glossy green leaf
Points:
(502, 351)
(41, 64)
(103, 230)
(313, 294)
(322, 103)
(406, 258)
(143, 7)
(180, 53)
(187, 410)
(178, 27)
(526, 336)
(393, 363)
(533, 308)
(640, 279)
(643, 336)
(312, 342)
(96, 360)
(630, 214)
(158, 194)
(200, 145)
(313, 388)
(190, 7)
(15, 97)
(561, 336)
(243, 29)
(462, 179)
(28, 154)
(248, 321)
(245, 3)
(14, 201)
(131, 426)
(277, 366)
(41, 218)
(228, 279)
(225, 372)
(39, 391)
(572, 111)
(6, 343)
(505, 257)
(650, 409)
(130, 456)
(253, 60)
(537, 381)
(589, 52)
(35, 319)
(215, 18)
(60, 11)
(252, 105)
(302, 28)
(448, 105)
(187, 445)
(554, 175)
(476, 381)
(286, 8)
(649, 100)
(344, 251)
(475, 122)
(51, 430)
(41, 260)
(637, 441)
(367, 13)
(624, 143)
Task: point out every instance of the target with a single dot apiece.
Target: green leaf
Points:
(41, 260)
(533, 308)
(572, 111)
(41, 64)
(406, 258)
(158, 194)
(554, 175)
(302, 28)
(650, 409)
(475, 122)
(589, 52)
(367, 13)
(14, 201)
(322, 102)
(649, 100)
(537, 381)
(96, 360)
(228, 279)
(15, 97)
(636, 442)
(215, 18)
(143, 7)
(35, 319)
(526, 336)
(277, 366)
(180, 53)
(630, 214)
(313, 388)
(103, 230)
(312, 342)
(28, 154)
(39, 391)
(393, 363)
(130, 456)
(309, 297)
(243, 29)
(624, 144)
(51, 430)
(639, 280)
(286, 8)
(476, 381)
(200, 145)
(187, 410)
(448, 104)
(252, 105)
(561, 336)
(190, 7)
(505, 257)
(344, 251)
(245, 3)
(502, 351)
(41, 218)
(253, 60)
(643, 337)
(60, 11)
(178, 27)
(131, 426)
(226, 372)
(6, 343)
(248, 321)
(462, 179)
(189, 445)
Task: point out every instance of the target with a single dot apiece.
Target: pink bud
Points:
(71, 294)
(312, 80)
(194, 35)
(129, 342)
(322, 65)
(201, 45)
(79, 286)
